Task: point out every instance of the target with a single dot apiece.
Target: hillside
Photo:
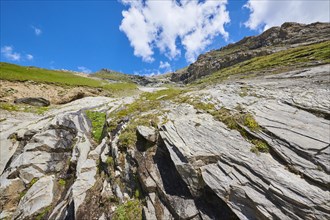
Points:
(248, 137)
(59, 87)
(287, 47)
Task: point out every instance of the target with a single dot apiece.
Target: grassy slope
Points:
(278, 62)
(115, 76)
(21, 73)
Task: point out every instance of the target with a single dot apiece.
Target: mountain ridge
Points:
(275, 39)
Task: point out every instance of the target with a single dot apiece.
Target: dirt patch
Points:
(9, 91)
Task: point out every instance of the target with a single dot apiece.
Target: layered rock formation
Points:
(191, 167)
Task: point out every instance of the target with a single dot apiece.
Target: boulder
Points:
(33, 101)
(37, 198)
(148, 133)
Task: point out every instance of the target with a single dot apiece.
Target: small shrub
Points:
(130, 210)
(42, 214)
(137, 193)
(62, 182)
(98, 120)
(260, 146)
(250, 122)
(109, 161)
(127, 138)
(33, 181)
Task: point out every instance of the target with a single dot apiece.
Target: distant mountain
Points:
(114, 76)
(273, 40)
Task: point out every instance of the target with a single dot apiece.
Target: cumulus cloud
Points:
(163, 24)
(29, 57)
(84, 69)
(267, 13)
(8, 53)
(37, 31)
(164, 65)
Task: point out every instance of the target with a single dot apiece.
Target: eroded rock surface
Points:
(198, 159)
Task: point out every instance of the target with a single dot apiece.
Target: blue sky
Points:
(141, 37)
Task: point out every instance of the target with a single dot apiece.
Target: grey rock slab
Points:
(85, 180)
(191, 146)
(14, 123)
(39, 101)
(304, 129)
(148, 133)
(254, 187)
(299, 137)
(38, 197)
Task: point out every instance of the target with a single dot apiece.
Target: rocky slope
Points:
(254, 148)
(275, 39)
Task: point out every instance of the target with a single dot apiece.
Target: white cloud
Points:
(84, 69)
(37, 31)
(164, 65)
(29, 57)
(162, 24)
(8, 53)
(269, 13)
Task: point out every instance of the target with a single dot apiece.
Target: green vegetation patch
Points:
(62, 182)
(23, 108)
(144, 111)
(130, 210)
(275, 63)
(14, 72)
(259, 146)
(127, 138)
(43, 213)
(28, 186)
(113, 75)
(233, 120)
(98, 120)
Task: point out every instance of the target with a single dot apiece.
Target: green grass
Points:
(43, 213)
(28, 186)
(139, 114)
(131, 210)
(233, 120)
(259, 146)
(274, 63)
(112, 75)
(14, 72)
(98, 120)
(128, 138)
(62, 182)
(23, 108)
(110, 161)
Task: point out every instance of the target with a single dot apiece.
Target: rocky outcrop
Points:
(202, 162)
(53, 165)
(275, 39)
(33, 101)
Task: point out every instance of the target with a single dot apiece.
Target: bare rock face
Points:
(33, 101)
(208, 161)
(37, 198)
(53, 165)
(147, 133)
